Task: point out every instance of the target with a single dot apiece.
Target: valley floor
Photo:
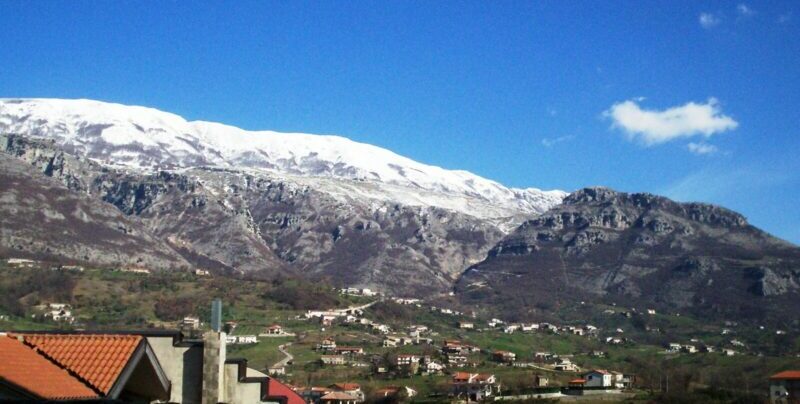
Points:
(372, 335)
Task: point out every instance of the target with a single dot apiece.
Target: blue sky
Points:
(694, 100)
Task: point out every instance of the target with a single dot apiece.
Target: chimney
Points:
(216, 315)
(214, 355)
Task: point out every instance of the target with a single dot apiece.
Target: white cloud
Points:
(548, 142)
(653, 127)
(701, 148)
(743, 10)
(709, 20)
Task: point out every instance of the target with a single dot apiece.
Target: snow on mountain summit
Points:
(148, 139)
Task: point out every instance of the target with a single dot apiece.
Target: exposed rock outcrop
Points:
(642, 249)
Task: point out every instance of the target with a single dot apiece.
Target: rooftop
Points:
(24, 367)
(786, 375)
(97, 359)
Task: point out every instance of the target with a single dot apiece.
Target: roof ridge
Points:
(72, 373)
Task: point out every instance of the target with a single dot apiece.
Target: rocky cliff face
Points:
(41, 218)
(240, 220)
(640, 249)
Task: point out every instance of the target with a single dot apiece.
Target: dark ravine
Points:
(643, 251)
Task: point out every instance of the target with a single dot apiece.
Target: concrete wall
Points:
(242, 393)
(214, 355)
(183, 367)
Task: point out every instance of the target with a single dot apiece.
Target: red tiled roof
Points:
(23, 367)
(345, 386)
(577, 381)
(483, 376)
(787, 375)
(387, 391)
(461, 376)
(97, 359)
(278, 389)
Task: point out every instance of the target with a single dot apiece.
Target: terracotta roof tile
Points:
(345, 386)
(23, 367)
(276, 388)
(98, 359)
(787, 375)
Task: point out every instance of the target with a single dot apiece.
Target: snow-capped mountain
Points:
(147, 140)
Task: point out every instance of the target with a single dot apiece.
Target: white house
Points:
(192, 323)
(247, 339)
(474, 386)
(328, 344)
(407, 359)
(598, 378)
(433, 367)
(495, 322)
(332, 359)
(565, 365)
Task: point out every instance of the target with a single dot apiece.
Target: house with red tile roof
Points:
(394, 391)
(348, 350)
(579, 383)
(353, 389)
(504, 356)
(784, 387)
(598, 378)
(23, 372)
(153, 365)
(474, 386)
(70, 367)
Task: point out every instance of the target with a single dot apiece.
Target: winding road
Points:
(287, 356)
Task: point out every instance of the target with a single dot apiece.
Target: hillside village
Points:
(375, 347)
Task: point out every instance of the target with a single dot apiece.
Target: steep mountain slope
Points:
(252, 221)
(272, 202)
(641, 250)
(40, 218)
(148, 139)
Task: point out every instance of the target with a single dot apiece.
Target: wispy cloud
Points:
(709, 20)
(720, 183)
(701, 148)
(550, 142)
(651, 127)
(744, 10)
